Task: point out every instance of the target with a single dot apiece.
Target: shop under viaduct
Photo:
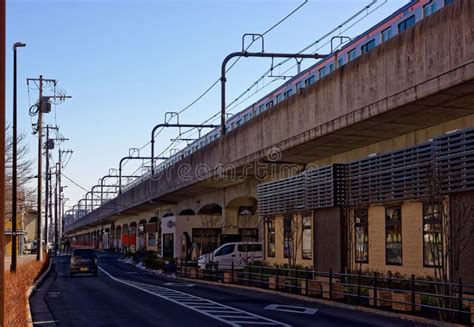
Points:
(398, 92)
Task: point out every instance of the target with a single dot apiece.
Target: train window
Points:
(300, 85)
(269, 104)
(261, 108)
(246, 117)
(288, 93)
(352, 54)
(447, 2)
(279, 98)
(340, 62)
(331, 68)
(429, 8)
(386, 34)
(407, 23)
(322, 72)
(310, 80)
(368, 46)
(238, 122)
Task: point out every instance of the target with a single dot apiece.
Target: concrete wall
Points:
(417, 79)
(406, 140)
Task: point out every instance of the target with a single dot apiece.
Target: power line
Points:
(228, 69)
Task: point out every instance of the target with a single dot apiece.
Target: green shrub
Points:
(153, 262)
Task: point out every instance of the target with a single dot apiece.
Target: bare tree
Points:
(452, 234)
(352, 224)
(292, 235)
(209, 224)
(25, 193)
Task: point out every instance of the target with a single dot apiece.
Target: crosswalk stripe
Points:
(204, 306)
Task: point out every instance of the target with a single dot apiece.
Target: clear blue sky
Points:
(126, 63)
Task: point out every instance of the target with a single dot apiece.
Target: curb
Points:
(383, 313)
(33, 288)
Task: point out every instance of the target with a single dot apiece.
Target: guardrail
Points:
(452, 302)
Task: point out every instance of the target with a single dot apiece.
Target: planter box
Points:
(337, 289)
(314, 287)
(405, 297)
(228, 277)
(384, 298)
(194, 272)
(272, 282)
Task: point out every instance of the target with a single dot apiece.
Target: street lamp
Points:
(14, 161)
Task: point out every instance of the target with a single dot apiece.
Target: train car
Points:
(401, 20)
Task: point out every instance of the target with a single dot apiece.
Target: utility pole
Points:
(14, 161)
(47, 198)
(56, 220)
(39, 247)
(43, 106)
(59, 219)
(2, 162)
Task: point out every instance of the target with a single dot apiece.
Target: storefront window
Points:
(206, 238)
(393, 235)
(432, 235)
(361, 235)
(151, 239)
(307, 242)
(271, 237)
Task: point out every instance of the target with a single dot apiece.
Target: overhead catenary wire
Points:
(238, 101)
(316, 42)
(202, 95)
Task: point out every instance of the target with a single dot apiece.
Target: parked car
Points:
(236, 254)
(83, 261)
(32, 247)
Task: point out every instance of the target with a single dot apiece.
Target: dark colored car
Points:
(83, 261)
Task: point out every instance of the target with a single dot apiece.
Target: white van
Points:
(239, 253)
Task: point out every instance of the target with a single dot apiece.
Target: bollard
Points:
(232, 271)
(277, 279)
(248, 275)
(375, 289)
(330, 283)
(358, 286)
(295, 283)
(306, 281)
(460, 299)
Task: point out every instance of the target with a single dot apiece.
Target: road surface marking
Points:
(211, 309)
(292, 309)
(179, 284)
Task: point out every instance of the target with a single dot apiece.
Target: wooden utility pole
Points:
(44, 106)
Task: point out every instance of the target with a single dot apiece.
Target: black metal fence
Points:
(422, 297)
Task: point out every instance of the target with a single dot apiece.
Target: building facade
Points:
(389, 207)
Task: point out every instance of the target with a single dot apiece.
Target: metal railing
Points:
(421, 297)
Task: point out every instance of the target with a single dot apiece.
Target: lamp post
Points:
(14, 161)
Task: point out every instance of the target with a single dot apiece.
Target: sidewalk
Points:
(20, 259)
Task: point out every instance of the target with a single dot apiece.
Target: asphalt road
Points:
(122, 295)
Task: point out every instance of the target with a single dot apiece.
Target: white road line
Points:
(196, 303)
(292, 309)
